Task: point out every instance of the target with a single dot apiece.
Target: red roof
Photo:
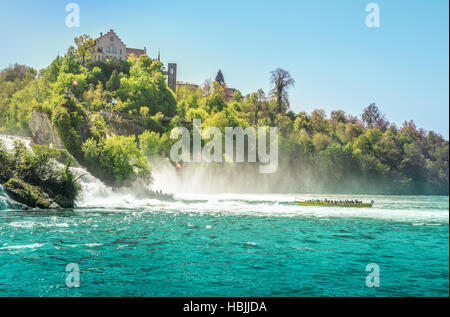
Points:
(137, 52)
(228, 91)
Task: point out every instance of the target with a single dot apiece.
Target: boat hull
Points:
(324, 204)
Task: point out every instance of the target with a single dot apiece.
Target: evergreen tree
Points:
(219, 77)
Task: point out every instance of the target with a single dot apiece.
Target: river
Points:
(225, 245)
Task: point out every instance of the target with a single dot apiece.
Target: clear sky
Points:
(336, 60)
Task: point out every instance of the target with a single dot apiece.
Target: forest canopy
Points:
(121, 112)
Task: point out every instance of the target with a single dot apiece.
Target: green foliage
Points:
(51, 72)
(85, 47)
(17, 73)
(114, 81)
(14, 102)
(284, 124)
(106, 69)
(341, 151)
(95, 98)
(98, 128)
(144, 111)
(65, 83)
(68, 118)
(69, 63)
(146, 86)
(303, 122)
(151, 143)
(215, 102)
(95, 76)
(6, 167)
(34, 170)
(117, 159)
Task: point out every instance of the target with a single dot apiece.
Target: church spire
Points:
(159, 55)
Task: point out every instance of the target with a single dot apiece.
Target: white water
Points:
(8, 141)
(96, 194)
(419, 210)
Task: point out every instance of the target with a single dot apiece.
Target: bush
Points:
(150, 143)
(36, 169)
(116, 160)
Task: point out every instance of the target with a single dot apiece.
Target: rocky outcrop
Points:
(7, 203)
(43, 131)
(29, 195)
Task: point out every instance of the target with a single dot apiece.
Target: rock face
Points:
(29, 195)
(43, 131)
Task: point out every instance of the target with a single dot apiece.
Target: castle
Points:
(110, 45)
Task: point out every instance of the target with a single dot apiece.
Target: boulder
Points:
(29, 195)
(43, 131)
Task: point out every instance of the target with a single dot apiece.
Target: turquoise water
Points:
(227, 245)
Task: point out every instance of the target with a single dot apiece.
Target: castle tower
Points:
(172, 77)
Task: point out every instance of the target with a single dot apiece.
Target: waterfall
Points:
(94, 193)
(7, 203)
(8, 141)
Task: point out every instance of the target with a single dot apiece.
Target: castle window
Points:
(107, 49)
(114, 49)
(111, 39)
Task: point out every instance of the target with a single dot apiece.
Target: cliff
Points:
(42, 130)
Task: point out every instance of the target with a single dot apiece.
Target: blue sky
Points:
(337, 62)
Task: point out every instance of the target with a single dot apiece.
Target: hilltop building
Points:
(110, 45)
(171, 74)
(228, 92)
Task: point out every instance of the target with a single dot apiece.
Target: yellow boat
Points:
(334, 204)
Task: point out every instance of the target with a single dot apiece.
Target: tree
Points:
(207, 87)
(68, 117)
(69, 63)
(303, 122)
(117, 159)
(219, 77)
(215, 102)
(260, 98)
(372, 115)
(114, 81)
(338, 116)
(254, 104)
(282, 81)
(150, 142)
(17, 72)
(147, 86)
(85, 47)
(319, 122)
